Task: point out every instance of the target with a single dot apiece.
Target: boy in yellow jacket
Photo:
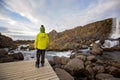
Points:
(40, 44)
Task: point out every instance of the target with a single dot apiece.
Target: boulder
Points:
(88, 63)
(96, 50)
(81, 57)
(63, 75)
(74, 65)
(52, 63)
(5, 41)
(113, 71)
(101, 62)
(113, 63)
(64, 60)
(57, 59)
(98, 69)
(3, 53)
(31, 46)
(90, 72)
(91, 58)
(104, 76)
(18, 56)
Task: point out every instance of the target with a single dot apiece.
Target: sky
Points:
(21, 19)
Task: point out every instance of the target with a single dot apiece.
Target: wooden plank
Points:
(25, 70)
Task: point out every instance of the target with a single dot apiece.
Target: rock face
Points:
(5, 41)
(79, 36)
(63, 75)
(74, 66)
(96, 49)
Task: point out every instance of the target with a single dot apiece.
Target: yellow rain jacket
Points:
(41, 41)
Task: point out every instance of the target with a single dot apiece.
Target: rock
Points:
(31, 46)
(91, 58)
(74, 66)
(117, 47)
(98, 69)
(63, 75)
(81, 57)
(18, 56)
(52, 63)
(64, 60)
(57, 60)
(87, 63)
(103, 76)
(108, 49)
(113, 63)
(99, 62)
(5, 41)
(90, 72)
(113, 71)
(3, 52)
(72, 56)
(96, 49)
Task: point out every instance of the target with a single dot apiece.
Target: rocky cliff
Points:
(80, 36)
(5, 41)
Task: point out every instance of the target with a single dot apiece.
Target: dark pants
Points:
(40, 56)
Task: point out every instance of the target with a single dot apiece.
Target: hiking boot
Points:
(42, 65)
(37, 65)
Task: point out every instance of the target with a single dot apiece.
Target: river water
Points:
(30, 55)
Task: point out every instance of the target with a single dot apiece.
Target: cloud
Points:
(3, 29)
(23, 18)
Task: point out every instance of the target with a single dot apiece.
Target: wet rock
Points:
(72, 56)
(103, 76)
(108, 49)
(96, 50)
(52, 63)
(64, 60)
(116, 48)
(63, 75)
(74, 66)
(31, 46)
(57, 60)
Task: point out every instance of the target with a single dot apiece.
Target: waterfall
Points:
(115, 33)
(115, 29)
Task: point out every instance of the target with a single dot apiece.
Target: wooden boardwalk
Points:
(25, 70)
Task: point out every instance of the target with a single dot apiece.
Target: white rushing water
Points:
(109, 43)
(115, 29)
(115, 33)
(30, 55)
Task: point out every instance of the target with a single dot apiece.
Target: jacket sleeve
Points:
(36, 42)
